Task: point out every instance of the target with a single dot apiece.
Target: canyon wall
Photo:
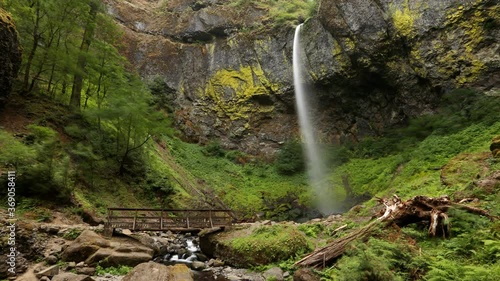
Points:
(373, 64)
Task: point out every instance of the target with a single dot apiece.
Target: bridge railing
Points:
(165, 219)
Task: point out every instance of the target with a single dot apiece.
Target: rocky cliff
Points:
(10, 60)
(373, 63)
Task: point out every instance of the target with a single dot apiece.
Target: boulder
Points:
(68, 276)
(125, 256)
(273, 273)
(152, 271)
(157, 244)
(51, 259)
(85, 245)
(91, 249)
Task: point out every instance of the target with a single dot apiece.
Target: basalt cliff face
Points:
(10, 58)
(373, 63)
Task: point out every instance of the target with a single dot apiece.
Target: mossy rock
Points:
(10, 61)
(259, 245)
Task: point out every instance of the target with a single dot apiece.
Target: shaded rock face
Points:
(372, 64)
(10, 60)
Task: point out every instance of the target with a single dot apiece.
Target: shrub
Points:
(214, 148)
(120, 270)
(290, 159)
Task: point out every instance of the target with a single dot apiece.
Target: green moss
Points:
(231, 91)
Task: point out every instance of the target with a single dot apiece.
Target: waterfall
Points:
(316, 166)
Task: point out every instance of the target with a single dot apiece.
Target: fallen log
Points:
(400, 213)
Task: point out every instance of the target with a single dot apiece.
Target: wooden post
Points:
(187, 219)
(161, 220)
(135, 220)
(210, 215)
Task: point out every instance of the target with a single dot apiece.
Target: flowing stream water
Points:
(316, 165)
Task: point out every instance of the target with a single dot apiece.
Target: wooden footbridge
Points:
(164, 220)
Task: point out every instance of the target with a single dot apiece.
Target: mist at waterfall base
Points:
(326, 201)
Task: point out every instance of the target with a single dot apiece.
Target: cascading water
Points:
(316, 166)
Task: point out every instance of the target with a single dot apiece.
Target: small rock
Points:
(266, 222)
(215, 263)
(85, 270)
(50, 229)
(50, 271)
(71, 265)
(45, 278)
(80, 264)
(51, 259)
(286, 274)
(273, 272)
(198, 265)
(201, 257)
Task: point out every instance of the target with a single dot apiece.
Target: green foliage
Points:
(290, 159)
(378, 260)
(312, 230)
(163, 95)
(42, 169)
(447, 270)
(244, 188)
(214, 148)
(120, 270)
(14, 153)
(72, 234)
(282, 12)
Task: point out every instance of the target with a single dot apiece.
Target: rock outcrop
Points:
(373, 64)
(10, 60)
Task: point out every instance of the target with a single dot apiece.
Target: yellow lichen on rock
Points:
(404, 19)
(231, 91)
(471, 25)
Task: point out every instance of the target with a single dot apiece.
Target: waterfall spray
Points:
(316, 167)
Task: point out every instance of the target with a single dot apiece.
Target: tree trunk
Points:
(31, 56)
(88, 34)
